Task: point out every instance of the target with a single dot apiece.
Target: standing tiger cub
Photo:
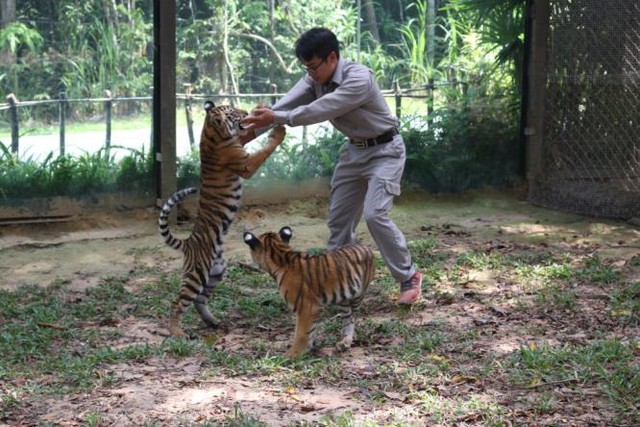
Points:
(307, 282)
(223, 164)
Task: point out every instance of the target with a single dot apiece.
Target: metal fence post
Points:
(431, 99)
(15, 127)
(464, 84)
(398, 95)
(151, 139)
(188, 113)
(108, 105)
(274, 91)
(61, 114)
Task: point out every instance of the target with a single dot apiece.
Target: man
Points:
(368, 174)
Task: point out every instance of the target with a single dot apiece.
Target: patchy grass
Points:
(509, 333)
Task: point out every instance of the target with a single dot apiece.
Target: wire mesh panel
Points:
(591, 145)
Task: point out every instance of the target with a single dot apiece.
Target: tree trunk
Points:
(431, 32)
(229, 79)
(7, 16)
(7, 12)
(370, 19)
(272, 35)
(111, 14)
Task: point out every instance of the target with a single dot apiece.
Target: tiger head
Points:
(265, 245)
(222, 122)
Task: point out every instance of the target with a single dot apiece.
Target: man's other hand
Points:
(260, 117)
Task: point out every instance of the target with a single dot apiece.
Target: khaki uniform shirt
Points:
(351, 101)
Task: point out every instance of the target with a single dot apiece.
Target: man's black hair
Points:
(317, 42)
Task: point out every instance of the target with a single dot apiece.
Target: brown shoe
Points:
(411, 290)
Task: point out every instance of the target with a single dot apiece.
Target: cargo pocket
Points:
(392, 188)
(385, 192)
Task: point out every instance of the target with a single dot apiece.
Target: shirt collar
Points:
(338, 74)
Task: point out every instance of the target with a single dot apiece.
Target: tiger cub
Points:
(223, 165)
(307, 282)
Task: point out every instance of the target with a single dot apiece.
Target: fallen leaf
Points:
(437, 358)
(52, 326)
(459, 379)
(211, 339)
(623, 312)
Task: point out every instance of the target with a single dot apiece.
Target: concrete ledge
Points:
(61, 207)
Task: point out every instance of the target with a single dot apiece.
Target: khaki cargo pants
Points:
(364, 183)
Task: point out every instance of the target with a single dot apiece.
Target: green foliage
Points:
(17, 35)
(73, 176)
(19, 39)
(625, 302)
(415, 44)
(608, 362)
(597, 271)
(463, 146)
(188, 170)
(137, 167)
(304, 161)
(84, 48)
(500, 25)
(459, 147)
(88, 48)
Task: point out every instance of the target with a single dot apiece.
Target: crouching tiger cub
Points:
(307, 282)
(223, 165)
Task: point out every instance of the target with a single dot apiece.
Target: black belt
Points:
(380, 139)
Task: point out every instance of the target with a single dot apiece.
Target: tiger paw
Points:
(176, 332)
(293, 353)
(343, 345)
(278, 133)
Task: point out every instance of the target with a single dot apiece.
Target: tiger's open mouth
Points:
(242, 131)
(240, 127)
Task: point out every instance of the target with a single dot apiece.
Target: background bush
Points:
(466, 146)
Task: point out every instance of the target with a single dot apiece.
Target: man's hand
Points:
(260, 117)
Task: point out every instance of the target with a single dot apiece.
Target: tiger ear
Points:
(251, 240)
(208, 105)
(285, 234)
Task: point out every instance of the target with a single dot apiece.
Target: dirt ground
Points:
(100, 244)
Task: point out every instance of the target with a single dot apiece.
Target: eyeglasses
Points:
(313, 68)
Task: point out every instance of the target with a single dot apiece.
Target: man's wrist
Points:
(281, 118)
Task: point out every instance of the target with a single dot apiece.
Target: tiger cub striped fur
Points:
(223, 164)
(307, 282)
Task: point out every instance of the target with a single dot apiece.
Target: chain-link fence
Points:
(590, 154)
